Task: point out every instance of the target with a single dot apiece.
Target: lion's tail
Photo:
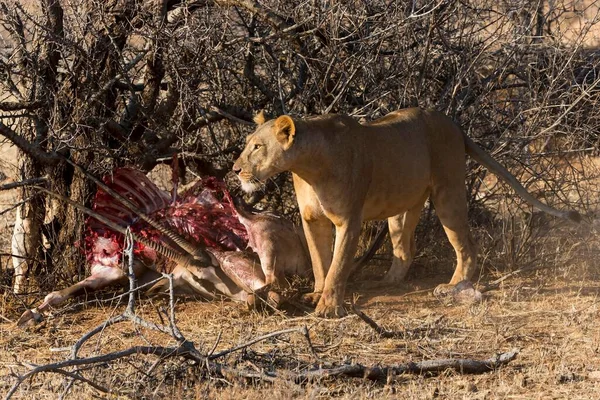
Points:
(494, 166)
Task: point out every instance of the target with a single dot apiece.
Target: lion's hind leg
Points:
(402, 234)
(451, 207)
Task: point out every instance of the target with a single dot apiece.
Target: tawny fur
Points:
(345, 172)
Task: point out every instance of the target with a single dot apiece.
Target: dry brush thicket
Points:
(112, 83)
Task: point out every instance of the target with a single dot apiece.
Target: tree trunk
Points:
(67, 252)
(27, 249)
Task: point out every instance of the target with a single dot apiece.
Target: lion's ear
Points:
(285, 131)
(260, 118)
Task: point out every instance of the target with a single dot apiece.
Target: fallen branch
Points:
(256, 340)
(463, 366)
(460, 365)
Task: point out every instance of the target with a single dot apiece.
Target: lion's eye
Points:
(257, 146)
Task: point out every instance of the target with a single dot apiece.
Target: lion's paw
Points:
(330, 309)
(312, 299)
(396, 274)
(443, 290)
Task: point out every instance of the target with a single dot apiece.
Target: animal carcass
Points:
(169, 235)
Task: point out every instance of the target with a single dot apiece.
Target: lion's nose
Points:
(236, 169)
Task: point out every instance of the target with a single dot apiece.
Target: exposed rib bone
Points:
(165, 251)
(196, 251)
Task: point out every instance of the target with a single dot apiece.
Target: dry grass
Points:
(550, 316)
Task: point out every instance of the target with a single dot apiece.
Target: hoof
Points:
(251, 301)
(30, 318)
(260, 301)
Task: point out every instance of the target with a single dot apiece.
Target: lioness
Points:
(345, 172)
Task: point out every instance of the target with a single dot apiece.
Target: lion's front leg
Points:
(319, 237)
(331, 304)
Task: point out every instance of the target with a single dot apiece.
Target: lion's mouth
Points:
(249, 182)
(250, 187)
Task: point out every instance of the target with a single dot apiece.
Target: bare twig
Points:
(95, 331)
(214, 347)
(380, 331)
(495, 284)
(254, 341)
(16, 205)
(174, 329)
(306, 333)
(25, 182)
(391, 334)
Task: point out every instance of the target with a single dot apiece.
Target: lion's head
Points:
(267, 152)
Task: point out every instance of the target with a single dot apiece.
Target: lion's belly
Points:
(399, 181)
(388, 203)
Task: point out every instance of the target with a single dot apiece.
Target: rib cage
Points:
(204, 217)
